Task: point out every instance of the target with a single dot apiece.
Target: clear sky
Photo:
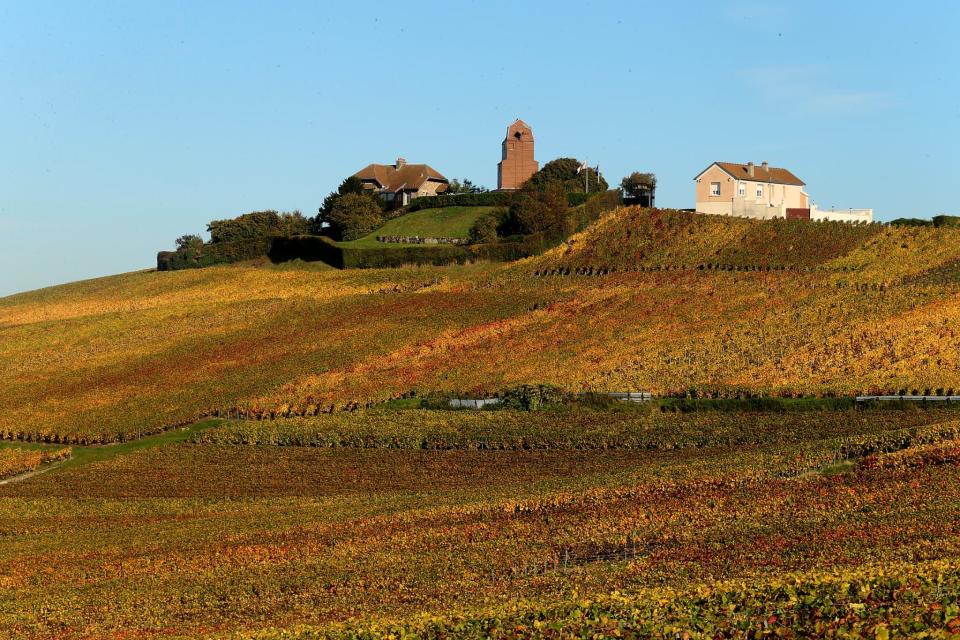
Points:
(126, 124)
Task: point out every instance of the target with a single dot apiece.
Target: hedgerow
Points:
(487, 199)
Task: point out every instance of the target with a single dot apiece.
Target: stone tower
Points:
(518, 163)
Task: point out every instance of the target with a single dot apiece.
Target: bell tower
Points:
(518, 163)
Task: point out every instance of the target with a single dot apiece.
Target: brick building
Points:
(518, 163)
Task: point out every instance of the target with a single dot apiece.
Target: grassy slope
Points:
(109, 358)
(447, 222)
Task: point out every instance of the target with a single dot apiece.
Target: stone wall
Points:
(421, 240)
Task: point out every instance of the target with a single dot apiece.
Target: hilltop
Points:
(661, 301)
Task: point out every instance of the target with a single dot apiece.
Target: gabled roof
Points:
(390, 177)
(770, 174)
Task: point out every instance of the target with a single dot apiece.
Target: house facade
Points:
(750, 191)
(764, 192)
(400, 183)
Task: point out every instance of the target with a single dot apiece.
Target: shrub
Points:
(257, 225)
(530, 397)
(189, 242)
(354, 215)
(937, 221)
(946, 221)
(466, 186)
(534, 211)
(321, 224)
(485, 228)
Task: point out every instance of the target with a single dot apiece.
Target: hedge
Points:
(509, 250)
(213, 253)
(937, 221)
(390, 257)
(312, 248)
(308, 248)
(488, 199)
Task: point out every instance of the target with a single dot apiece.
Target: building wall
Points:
(721, 204)
(428, 188)
(773, 203)
(843, 215)
(518, 162)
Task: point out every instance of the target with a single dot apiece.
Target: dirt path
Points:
(87, 454)
(29, 474)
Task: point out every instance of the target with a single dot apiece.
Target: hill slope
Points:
(112, 358)
(445, 222)
(648, 238)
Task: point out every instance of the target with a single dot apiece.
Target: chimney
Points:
(765, 166)
(401, 162)
(750, 170)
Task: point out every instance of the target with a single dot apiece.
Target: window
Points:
(759, 190)
(714, 188)
(741, 189)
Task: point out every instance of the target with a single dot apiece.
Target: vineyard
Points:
(662, 301)
(17, 460)
(260, 451)
(852, 522)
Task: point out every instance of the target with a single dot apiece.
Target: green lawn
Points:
(85, 455)
(448, 222)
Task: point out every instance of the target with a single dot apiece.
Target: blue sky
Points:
(126, 124)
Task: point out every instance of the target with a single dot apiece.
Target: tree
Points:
(354, 215)
(485, 228)
(189, 241)
(639, 188)
(637, 182)
(292, 223)
(352, 185)
(257, 225)
(568, 174)
(535, 211)
(466, 186)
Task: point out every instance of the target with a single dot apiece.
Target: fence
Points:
(623, 396)
(632, 396)
(466, 403)
(909, 398)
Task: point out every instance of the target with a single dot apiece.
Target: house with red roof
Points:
(751, 191)
(400, 183)
(764, 192)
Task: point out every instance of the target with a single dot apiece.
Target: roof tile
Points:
(770, 174)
